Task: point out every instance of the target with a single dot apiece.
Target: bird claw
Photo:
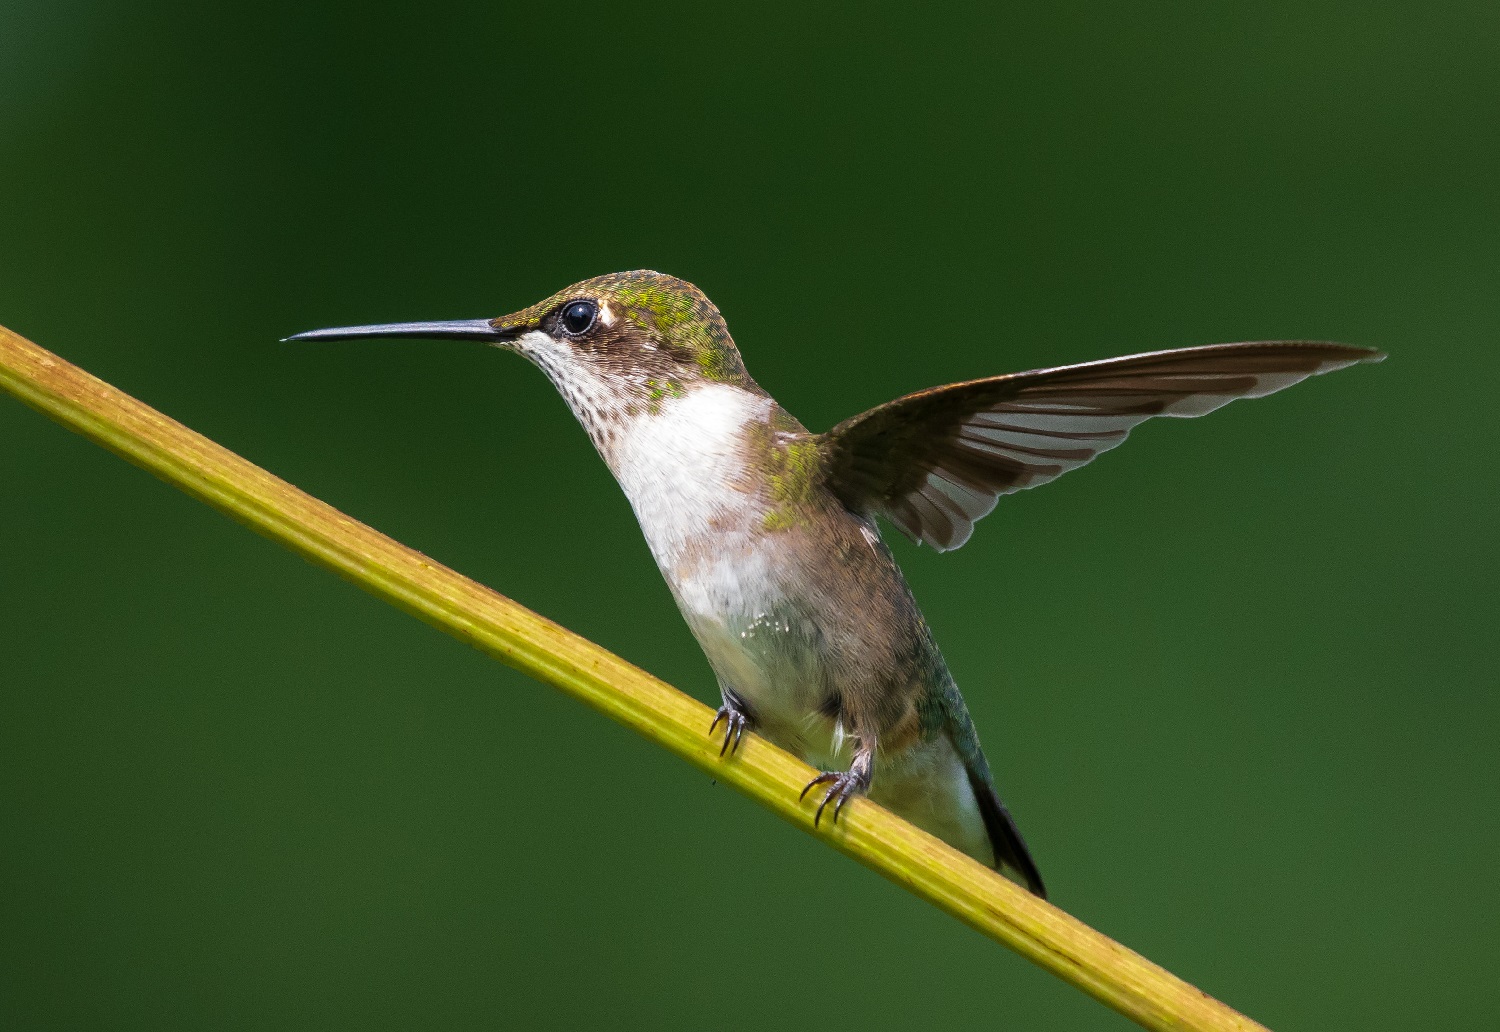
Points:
(735, 724)
(843, 785)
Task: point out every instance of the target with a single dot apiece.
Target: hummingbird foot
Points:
(735, 724)
(843, 785)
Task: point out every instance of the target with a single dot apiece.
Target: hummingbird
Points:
(766, 533)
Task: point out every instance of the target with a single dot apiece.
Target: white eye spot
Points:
(606, 315)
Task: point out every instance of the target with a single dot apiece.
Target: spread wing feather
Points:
(937, 461)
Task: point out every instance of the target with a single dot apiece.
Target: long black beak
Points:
(460, 329)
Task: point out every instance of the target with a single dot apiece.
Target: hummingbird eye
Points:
(578, 316)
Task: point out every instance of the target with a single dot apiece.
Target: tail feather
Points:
(1010, 850)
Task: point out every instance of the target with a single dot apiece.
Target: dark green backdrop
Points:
(1237, 679)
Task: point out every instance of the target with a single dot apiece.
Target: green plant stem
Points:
(494, 624)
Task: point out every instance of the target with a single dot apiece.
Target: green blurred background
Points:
(1237, 679)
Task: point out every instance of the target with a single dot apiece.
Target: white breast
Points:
(682, 468)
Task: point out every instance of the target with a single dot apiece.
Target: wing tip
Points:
(1349, 354)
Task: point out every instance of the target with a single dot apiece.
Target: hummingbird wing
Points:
(936, 461)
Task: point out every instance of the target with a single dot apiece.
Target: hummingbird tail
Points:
(1011, 855)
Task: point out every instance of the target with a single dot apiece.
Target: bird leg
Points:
(736, 721)
(844, 785)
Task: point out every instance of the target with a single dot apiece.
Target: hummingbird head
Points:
(628, 326)
(612, 345)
